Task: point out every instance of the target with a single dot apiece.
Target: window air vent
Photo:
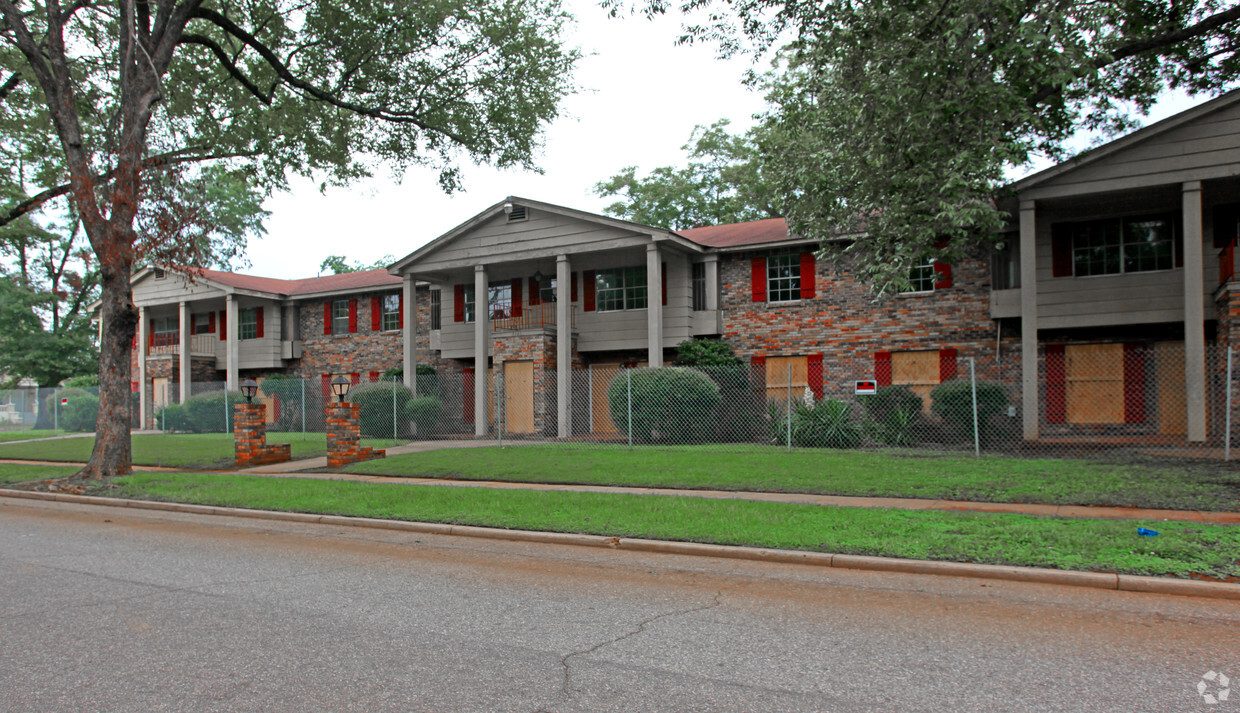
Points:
(160, 274)
(516, 213)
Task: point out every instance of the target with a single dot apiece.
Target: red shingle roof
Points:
(310, 285)
(755, 232)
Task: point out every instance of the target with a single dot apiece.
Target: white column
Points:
(186, 375)
(144, 407)
(654, 305)
(409, 335)
(1029, 319)
(482, 324)
(233, 354)
(563, 346)
(1194, 314)
(712, 282)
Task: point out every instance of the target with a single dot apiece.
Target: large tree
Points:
(722, 182)
(898, 122)
(132, 91)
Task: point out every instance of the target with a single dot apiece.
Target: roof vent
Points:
(160, 274)
(515, 212)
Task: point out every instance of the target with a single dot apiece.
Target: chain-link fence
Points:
(1122, 400)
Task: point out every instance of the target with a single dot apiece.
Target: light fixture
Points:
(340, 387)
(1000, 246)
(249, 387)
(539, 277)
(507, 207)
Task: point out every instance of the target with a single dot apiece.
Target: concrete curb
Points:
(1094, 580)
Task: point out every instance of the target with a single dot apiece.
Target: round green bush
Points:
(376, 405)
(669, 404)
(953, 403)
(424, 412)
(80, 413)
(893, 412)
(212, 412)
(172, 417)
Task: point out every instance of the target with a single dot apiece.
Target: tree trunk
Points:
(112, 453)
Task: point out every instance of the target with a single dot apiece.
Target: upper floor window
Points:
(165, 331)
(921, 277)
(699, 286)
(1113, 246)
(783, 278)
(247, 323)
(202, 323)
(499, 300)
(390, 305)
(340, 317)
(546, 289)
(620, 288)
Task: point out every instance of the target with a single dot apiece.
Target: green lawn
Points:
(23, 435)
(1077, 544)
(198, 450)
(13, 473)
(851, 472)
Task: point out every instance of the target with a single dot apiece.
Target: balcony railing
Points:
(166, 343)
(539, 316)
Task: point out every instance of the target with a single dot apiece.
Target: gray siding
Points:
(172, 289)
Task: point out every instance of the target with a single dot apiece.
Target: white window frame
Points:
(783, 278)
(340, 316)
(389, 308)
(247, 323)
(628, 292)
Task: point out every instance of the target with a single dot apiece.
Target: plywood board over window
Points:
(1094, 383)
(1172, 399)
(919, 371)
(519, 396)
(786, 374)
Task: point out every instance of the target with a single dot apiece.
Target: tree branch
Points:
(1132, 49)
(229, 66)
(285, 74)
(9, 84)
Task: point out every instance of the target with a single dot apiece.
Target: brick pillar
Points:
(344, 436)
(250, 437)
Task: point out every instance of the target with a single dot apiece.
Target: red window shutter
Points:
(325, 386)
(275, 407)
(135, 341)
(516, 297)
(663, 274)
(757, 372)
(150, 336)
(210, 323)
(814, 369)
(133, 387)
(1061, 250)
(573, 279)
(1134, 382)
(1177, 242)
(947, 365)
(258, 318)
(355, 378)
(809, 282)
(467, 395)
(352, 315)
(327, 317)
(223, 325)
(535, 293)
(374, 376)
(587, 284)
(942, 275)
(1056, 385)
(400, 316)
(458, 303)
(757, 272)
(376, 315)
(882, 368)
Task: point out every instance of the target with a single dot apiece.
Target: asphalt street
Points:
(106, 609)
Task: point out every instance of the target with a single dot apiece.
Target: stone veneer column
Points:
(1030, 405)
(186, 377)
(409, 334)
(1194, 313)
(482, 323)
(654, 306)
(563, 346)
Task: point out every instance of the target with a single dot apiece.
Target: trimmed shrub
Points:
(826, 424)
(739, 416)
(424, 412)
(212, 412)
(669, 404)
(172, 417)
(80, 413)
(376, 402)
(705, 352)
(954, 404)
(893, 412)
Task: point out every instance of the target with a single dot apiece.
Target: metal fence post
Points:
(788, 412)
(56, 410)
(226, 423)
(1227, 428)
(501, 405)
(303, 409)
(628, 379)
(393, 409)
(977, 443)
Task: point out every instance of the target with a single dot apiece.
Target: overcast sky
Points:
(642, 95)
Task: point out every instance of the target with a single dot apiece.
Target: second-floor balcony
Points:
(169, 344)
(540, 316)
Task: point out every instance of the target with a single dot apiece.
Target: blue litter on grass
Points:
(1147, 533)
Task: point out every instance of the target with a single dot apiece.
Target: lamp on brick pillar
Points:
(340, 387)
(249, 387)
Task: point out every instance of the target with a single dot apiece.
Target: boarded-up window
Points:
(919, 371)
(784, 375)
(1094, 383)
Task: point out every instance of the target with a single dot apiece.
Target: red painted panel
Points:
(757, 275)
(809, 281)
(882, 368)
(814, 369)
(1056, 384)
(947, 364)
